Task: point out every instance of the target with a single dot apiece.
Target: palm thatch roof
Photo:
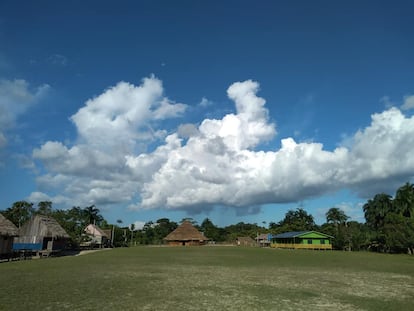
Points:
(44, 226)
(7, 227)
(186, 232)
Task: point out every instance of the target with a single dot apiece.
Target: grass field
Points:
(210, 278)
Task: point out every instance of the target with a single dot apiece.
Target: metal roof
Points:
(295, 234)
(292, 234)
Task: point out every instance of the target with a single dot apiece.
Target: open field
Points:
(210, 278)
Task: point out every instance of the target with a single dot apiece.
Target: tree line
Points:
(388, 227)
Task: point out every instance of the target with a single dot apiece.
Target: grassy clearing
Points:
(210, 278)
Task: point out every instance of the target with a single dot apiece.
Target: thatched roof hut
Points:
(186, 234)
(7, 228)
(7, 231)
(41, 232)
(44, 226)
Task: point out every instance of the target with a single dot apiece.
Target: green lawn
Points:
(210, 278)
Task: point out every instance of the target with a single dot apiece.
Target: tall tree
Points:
(399, 233)
(297, 220)
(336, 216)
(19, 212)
(376, 209)
(404, 200)
(73, 221)
(162, 228)
(44, 208)
(210, 230)
(92, 214)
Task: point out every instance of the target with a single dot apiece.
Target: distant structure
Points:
(7, 233)
(95, 237)
(263, 240)
(186, 235)
(302, 240)
(245, 241)
(41, 234)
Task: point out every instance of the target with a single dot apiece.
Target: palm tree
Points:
(404, 200)
(92, 214)
(336, 216)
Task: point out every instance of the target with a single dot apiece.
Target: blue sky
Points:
(232, 110)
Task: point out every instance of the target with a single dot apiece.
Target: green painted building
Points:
(302, 240)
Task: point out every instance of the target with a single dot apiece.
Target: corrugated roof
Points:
(291, 234)
(295, 234)
(264, 236)
(7, 227)
(186, 232)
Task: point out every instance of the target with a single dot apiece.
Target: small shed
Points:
(186, 235)
(7, 233)
(264, 239)
(245, 241)
(96, 236)
(41, 233)
(302, 240)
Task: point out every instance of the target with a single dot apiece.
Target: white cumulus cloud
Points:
(122, 115)
(218, 166)
(110, 128)
(219, 161)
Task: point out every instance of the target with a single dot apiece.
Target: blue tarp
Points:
(30, 246)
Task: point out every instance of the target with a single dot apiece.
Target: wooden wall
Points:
(6, 243)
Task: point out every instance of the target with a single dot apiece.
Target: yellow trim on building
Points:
(301, 246)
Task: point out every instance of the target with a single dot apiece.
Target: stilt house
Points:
(7, 233)
(96, 236)
(263, 240)
(302, 240)
(186, 235)
(41, 233)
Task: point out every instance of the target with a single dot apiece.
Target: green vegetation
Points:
(389, 224)
(392, 220)
(210, 278)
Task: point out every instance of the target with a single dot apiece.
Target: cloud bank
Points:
(215, 163)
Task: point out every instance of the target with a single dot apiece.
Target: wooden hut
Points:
(7, 233)
(302, 240)
(185, 235)
(41, 234)
(95, 237)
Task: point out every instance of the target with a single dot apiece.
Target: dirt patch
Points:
(89, 251)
